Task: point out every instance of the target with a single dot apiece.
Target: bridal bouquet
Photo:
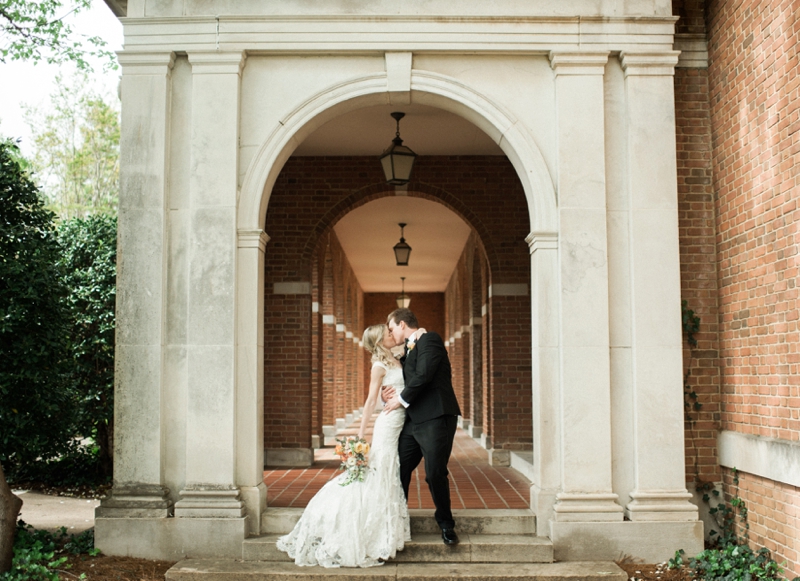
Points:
(353, 452)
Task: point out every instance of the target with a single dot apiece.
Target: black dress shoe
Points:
(449, 537)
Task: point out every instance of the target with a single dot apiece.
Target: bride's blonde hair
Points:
(373, 342)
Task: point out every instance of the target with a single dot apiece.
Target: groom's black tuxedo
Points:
(428, 381)
(431, 419)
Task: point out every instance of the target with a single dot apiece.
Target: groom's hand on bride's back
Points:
(387, 393)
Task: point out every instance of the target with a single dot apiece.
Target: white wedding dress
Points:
(363, 523)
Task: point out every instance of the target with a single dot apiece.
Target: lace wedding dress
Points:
(364, 523)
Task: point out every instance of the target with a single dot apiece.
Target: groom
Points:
(431, 413)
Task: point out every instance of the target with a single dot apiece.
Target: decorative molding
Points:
(328, 320)
(217, 63)
(694, 51)
(649, 63)
(542, 241)
(340, 328)
(291, 288)
(146, 63)
(398, 71)
(348, 334)
(778, 460)
(199, 502)
(578, 63)
(315, 307)
(484, 310)
(516, 32)
(252, 239)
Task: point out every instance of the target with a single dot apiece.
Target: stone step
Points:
(279, 521)
(229, 570)
(429, 548)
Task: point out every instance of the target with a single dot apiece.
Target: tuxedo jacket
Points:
(428, 378)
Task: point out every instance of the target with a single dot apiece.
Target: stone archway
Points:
(432, 89)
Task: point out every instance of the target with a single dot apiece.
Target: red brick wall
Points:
(698, 269)
(755, 108)
(428, 307)
(313, 373)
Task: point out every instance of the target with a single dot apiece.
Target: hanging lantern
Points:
(398, 160)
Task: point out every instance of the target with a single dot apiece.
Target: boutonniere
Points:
(411, 346)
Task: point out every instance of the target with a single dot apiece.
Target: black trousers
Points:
(432, 440)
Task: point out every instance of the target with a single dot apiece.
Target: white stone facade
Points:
(578, 94)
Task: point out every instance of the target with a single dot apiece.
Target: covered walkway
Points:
(473, 482)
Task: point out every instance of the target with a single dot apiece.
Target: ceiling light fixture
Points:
(398, 160)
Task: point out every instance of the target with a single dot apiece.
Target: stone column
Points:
(656, 336)
(585, 419)
(138, 415)
(211, 431)
(545, 337)
(250, 374)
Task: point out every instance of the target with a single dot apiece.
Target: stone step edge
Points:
(222, 569)
(428, 548)
(281, 520)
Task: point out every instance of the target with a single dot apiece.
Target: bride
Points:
(363, 523)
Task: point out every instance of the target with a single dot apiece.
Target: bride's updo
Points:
(373, 342)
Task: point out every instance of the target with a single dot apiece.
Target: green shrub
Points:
(89, 267)
(39, 555)
(36, 404)
(731, 559)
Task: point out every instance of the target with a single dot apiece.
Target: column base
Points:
(464, 423)
(329, 435)
(255, 502)
(661, 506)
(486, 441)
(588, 507)
(289, 457)
(348, 419)
(196, 503)
(136, 501)
(542, 502)
(648, 542)
(171, 539)
(475, 432)
(316, 442)
(499, 458)
(341, 424)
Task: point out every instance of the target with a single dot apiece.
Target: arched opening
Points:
(508, 296)
(344, 278)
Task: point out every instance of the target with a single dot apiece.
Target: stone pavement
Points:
(48, 512)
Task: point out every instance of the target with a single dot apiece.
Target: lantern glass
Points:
(397, 162)
(402, 252)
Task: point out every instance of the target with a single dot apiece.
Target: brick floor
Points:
(473, 482)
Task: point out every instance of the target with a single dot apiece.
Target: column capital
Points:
(542, 241)
(146, 63)
(252, 239)
(578, 63)
(217, 63)
(649, 63)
